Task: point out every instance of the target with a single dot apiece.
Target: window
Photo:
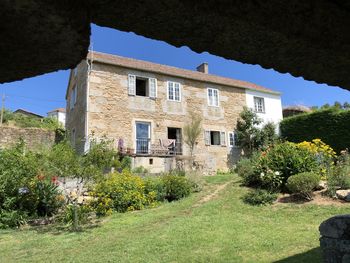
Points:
(140, 86)
(174, 91)
(232, 139)
(215, 138)
(213, 97)
(73, 97)
(259, 104)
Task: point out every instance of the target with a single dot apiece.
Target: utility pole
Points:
(2, 108)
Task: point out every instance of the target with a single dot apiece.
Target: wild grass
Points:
(224, 229)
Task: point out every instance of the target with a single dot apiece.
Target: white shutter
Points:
(223, 138)
(132, 85)
(152, 83)
(207, 137)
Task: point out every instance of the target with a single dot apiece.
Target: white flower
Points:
(277, 173)
(262, 174)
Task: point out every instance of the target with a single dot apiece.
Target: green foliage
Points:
(25, 121)
(259, 197)
(176, 187)
(330, 125)
(303, 184)
(76, 214)
(155, 185)
(126, 191)
(23, 191)
(339, 177)
(246, 169)
(249, 136)
(140, 170)
(192, 130)
(283, 160)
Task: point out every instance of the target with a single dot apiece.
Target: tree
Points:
(192, 130)
(338, 105)
(250, 136)
(346, 106)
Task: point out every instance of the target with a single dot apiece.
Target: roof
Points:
(58, 110)
(26, 112)
(173, 71)
(300, 108)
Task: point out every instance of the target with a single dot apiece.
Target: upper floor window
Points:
(73, 97)
(174, 91)
(215, 138)
(259, 104)
(141, 86)
(213, 97)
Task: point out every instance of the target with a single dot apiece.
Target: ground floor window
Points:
(215, 138)
(232, 139)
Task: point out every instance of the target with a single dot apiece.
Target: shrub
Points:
(126, 191)
(287, 159)
(325, 155)
(330, 125)
(339, 177)
(140, 170)
(79, 213)
(155, 185)
(303, 184)
(259, 197)
(176, 187)
(246, 168)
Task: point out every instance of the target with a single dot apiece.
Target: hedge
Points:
(331, 126)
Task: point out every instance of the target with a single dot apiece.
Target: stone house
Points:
(59, 114)
(144, 107)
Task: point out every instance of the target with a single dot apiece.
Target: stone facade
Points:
(34, 137)
(110, 112)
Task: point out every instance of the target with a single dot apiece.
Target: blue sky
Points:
(43, 93)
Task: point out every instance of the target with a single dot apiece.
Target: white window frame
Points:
(256, 104)
(222, 138)
(234, 145)
(152, 86)
(211, 102)
(174, 91)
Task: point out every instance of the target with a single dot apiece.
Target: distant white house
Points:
(59, 114)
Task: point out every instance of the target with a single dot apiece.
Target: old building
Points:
(144, 107)
(59, 114)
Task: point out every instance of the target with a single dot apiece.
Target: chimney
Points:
(203, 68)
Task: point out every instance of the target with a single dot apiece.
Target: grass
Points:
(224, 229)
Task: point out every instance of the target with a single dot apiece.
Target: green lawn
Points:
(224, 229)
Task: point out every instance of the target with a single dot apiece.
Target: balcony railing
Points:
(145, 147)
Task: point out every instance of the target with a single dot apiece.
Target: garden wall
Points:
(331, 126)
(34, 137)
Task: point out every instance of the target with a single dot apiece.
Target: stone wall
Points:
(335, 239)
(76, 117)
(34, 137)
(113, 113)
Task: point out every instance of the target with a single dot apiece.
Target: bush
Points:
(339, 177)
(246, 168)
(259, 197)
(331, 126)
(82, 212)
(140, 170)
(155, 185)
(176, 187)
(286, 159)
(126, 191)
(303, 184)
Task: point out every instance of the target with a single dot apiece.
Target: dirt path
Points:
(212, 194)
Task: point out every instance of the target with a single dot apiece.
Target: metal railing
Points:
(143, 145)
